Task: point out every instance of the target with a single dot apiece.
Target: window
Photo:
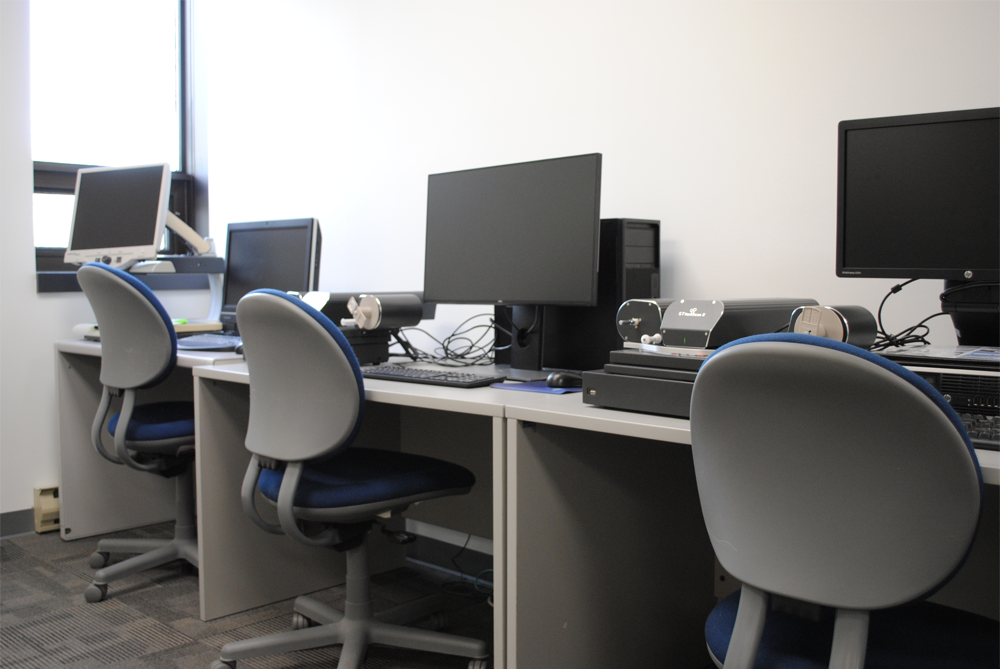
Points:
(104, 79)
(108, 87)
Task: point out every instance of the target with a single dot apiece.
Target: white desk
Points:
(599, 546)
(98, 496)
(608, 560)
(243, 567)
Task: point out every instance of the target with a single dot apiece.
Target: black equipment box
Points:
(370, 346)
(659, 379)
(645, 382)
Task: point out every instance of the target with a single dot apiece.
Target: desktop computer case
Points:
(581, 338)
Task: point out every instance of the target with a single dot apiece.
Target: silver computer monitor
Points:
(119, 214)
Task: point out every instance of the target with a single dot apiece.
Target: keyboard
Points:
(983, 430)
(435, 377)
(209, 341)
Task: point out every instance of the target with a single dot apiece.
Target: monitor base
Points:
(524, 375)
(975, 311)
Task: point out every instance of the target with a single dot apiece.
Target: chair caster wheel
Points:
(300, 622)
(224, 664)
(98, 560)
(481, 663)
(95, 592)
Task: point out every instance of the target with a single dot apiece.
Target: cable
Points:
(531, 328)
(485, 589)
(407, 348)
(497, 326)
(466, 585)
(905, 337)
(967, 286)
(884, 340)
(467, 347)
(501, 328)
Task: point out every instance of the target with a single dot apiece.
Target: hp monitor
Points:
(918, 197)
(119, 214)
(283, 255)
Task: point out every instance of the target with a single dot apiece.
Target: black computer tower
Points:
(582, 337)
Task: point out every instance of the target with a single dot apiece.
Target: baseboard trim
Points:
(14, 523)
(449, 536)
(439, 554)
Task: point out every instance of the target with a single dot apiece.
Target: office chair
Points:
(306, 405)
(139, 350)
(844, 489)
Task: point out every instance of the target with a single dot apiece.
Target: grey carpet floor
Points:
(150, 620)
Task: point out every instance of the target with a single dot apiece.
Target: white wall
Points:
(31, 323)
(27, 374)
(719, 119)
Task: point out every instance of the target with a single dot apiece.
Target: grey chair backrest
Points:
(829, 475)
(306, 391)
(138, 342)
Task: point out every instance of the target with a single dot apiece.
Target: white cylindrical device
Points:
(851, 324)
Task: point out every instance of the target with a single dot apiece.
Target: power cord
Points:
(910, 335)
(531, 328)
(467, 585)
(966, 286)
(465, 347)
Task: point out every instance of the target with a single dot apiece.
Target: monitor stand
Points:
(975, 311)
(525, 353)
(522, 375)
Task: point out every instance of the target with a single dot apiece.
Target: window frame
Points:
(188, 185)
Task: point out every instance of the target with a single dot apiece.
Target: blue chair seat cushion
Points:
(156, 421)
(920, 635)
(359, 476)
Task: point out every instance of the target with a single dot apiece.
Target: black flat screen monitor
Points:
(521, 234)
(283, 255)
(918, 197)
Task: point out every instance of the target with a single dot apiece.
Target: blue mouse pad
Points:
(535, 387)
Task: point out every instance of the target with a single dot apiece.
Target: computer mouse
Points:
(564, 380)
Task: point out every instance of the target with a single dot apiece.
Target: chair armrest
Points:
(248, 499)
(329, 536)
(121, 430)
(95, 429)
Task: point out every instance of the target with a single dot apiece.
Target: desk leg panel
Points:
(241, 566)
(462, 439)
(499, 542)
(98, 496)
(610, 563)
(976, 586)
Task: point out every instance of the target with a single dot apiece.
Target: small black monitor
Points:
(918, 197)
(283, 255)
(521, 234)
